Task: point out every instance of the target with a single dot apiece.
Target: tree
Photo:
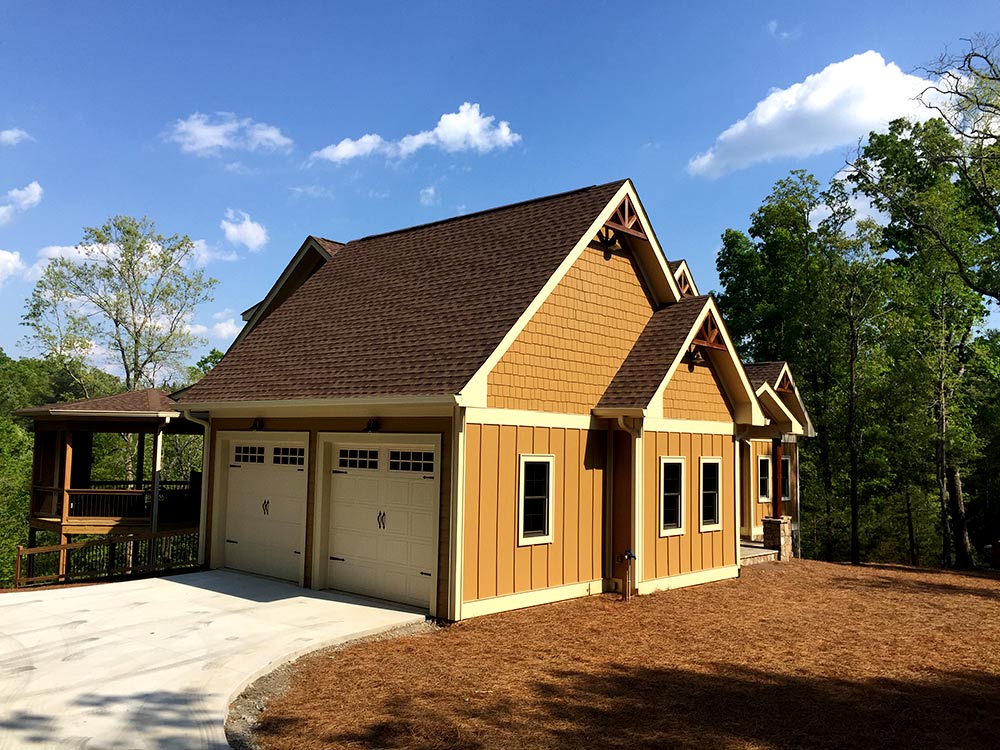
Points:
(130, 296)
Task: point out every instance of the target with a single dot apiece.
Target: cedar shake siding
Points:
(694, 392)
(574, 344)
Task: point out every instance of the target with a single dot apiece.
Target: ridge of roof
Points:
(485, 211)
(147, 400)
(764, 372)
(675, 264)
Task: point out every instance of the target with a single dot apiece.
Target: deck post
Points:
(32, 542)
(67, 473)
(157, 469)
(17, 566)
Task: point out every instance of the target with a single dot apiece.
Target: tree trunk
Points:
(963, 549)
(909, 528)
(853, 447)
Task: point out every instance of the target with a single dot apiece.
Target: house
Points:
(507, 408)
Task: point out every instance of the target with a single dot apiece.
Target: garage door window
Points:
(249, 454)
(357, 458)
(535, 491)
(289, 456)
(411, 461)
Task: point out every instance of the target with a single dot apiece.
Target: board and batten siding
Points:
(696, 393)
(574, 344)
(493, 563)
(693, 550)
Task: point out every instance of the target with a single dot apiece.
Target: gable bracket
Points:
(709, 336)
(626, 220)
(785, 385)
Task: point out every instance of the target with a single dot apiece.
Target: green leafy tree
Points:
(131, 295)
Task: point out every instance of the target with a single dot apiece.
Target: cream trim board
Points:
(523, 459)
(688, 426)
(524, 418)
(772, 403)
(689, 579)
(704, 461)
(681, 500)
(383, 406)
(456, 547)
(480, 607)
(763, 498)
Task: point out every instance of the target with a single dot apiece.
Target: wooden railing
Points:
(107, 558)
(115, 499)
(101, 503)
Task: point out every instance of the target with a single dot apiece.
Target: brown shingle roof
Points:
(636, 381)
(763, 372)
(408, 313)
(149, 400)
(674, 265)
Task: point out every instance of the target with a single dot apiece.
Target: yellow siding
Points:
(568, 353)
(693, 550)
(696, 394)
(494, 563)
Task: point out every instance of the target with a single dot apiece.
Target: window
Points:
(418, 461)
(671, 495)
(764, 479)
(289, 456)
(711, 492)
(357, 458)
(534, 506)
(249, 454)
(786, 478)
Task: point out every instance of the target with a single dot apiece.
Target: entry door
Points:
(382, 521)
(266, 508)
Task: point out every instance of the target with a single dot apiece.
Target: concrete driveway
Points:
(154, 664)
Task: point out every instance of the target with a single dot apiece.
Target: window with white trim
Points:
(786, 478)
(764, 479)
(671, 495)
(411, 461)
(536, 487)
(711, 494)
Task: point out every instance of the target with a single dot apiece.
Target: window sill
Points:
(704, 528)
(671, 532)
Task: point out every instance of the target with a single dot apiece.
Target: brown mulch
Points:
(799, 655)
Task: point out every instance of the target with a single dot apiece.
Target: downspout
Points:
(206, 454)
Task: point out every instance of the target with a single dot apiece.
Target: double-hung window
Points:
(763, 479)
(711, 494)
(536, 485)
(671, 495)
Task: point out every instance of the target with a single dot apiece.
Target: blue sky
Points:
(243, 125)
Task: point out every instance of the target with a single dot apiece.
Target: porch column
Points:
(67, 473)
(157, 468)
(776, 503)
(140, 460)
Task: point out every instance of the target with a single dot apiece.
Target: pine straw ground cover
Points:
(801, 655)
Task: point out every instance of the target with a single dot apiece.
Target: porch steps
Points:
(755, 554)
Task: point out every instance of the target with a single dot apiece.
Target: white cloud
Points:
(775, 30)
(238, 167)
(205, 135)
(13, 136)
(428, 196)
(74, 253)
(223, 314)
(10, 265)
(835, 107)
(20, 199)
(203, 254)
(227, 329)
(240, 229)
(465, 130)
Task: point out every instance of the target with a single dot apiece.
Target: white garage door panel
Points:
(265, 513)
(382, 527)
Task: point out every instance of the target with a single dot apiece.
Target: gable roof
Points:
(640, 375)
(764, 372)
(146, 403)
(766, 378)
(409, 313)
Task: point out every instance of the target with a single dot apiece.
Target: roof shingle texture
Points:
(763, 372)
(410, 313)
(149, 400)
(636, 381)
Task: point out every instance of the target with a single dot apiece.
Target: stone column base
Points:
(778, 536)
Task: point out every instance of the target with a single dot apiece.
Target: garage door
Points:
(383, 519)
(266, 507)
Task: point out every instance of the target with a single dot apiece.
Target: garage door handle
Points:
(339, 559)
(339, 471)
(231, 541)
(425, 574)
(296, 552)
